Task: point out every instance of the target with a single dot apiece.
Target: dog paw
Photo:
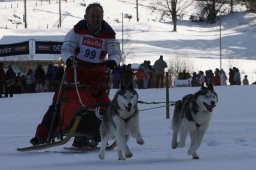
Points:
(120, 155)
(192, 152)
(121, 158)
(174, 145)
(140, 141)
(128, 155)
(101, 156)
(195, 156)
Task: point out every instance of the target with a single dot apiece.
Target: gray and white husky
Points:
(192, 115)
(121, 121)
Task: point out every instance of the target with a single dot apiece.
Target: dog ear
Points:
(126, 85)
(130, 85)
(123, 86)
(210, 87)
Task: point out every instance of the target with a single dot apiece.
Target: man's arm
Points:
(113, 50)
(71, 42)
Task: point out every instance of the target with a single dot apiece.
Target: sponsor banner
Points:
(14, 49)
(92, 42)
(48, 47)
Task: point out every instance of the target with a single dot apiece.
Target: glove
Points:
(69, 62)
(111, 64)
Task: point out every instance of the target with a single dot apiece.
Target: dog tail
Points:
(177, 114)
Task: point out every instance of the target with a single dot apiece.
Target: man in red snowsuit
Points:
(84, 48)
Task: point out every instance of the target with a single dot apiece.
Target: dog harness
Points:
(188, 113)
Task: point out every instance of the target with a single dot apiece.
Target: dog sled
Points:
(74, 131)
(72, 109)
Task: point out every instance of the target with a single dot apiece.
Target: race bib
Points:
(90, 49)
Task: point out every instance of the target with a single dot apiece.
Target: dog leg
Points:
(176, 122)
(121, 137)
(120, 154)
(128, 153)
(104, 135)
(104, 142)
(197, 138)
(121, 147)
(175, 136)
(193, 143)
(135, 130)
(183, 136)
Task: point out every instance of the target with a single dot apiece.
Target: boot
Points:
(37, 141)
(86, 142)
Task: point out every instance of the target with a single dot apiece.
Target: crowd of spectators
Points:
(38, 80)
(143, 77)
(43, 79)
(217, 77)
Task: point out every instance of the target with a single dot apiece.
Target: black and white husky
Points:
(121, 121)
(192, 115)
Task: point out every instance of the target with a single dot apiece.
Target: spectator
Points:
(2, 79)
(159, 67)
(10, 77)
(51, 74)
(146, 71)
(208, 77)
(216, 77)
(237, 77)
(30, 81)
(151, 70)
(140, 78)
(245, 80)
(231, 76)
(223, 78)
(201, 78)
(39, 78)
(18, 83)
(194, 81)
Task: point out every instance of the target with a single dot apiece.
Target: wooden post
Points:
(167, 96)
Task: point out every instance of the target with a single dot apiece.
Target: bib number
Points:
(90, 49)
(90, 53)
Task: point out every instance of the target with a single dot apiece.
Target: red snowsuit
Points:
(87, 49)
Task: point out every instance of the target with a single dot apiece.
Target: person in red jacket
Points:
(85, 50)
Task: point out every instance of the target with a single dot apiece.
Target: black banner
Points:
(48, 47)
(14, 49)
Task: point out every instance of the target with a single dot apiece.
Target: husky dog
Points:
(121, 121)
(192, 115)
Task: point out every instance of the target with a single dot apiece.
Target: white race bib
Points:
(90, 49)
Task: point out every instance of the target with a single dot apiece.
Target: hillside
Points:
(198, 44)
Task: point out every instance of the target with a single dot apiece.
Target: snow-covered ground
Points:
(230, 142)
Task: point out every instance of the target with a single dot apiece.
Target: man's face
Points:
(94, 18)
